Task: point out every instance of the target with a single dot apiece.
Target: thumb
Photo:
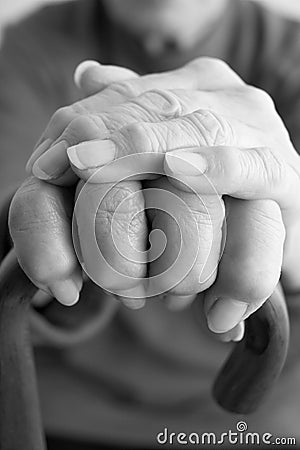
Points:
(92, 77)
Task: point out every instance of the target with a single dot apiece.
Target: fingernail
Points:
(42, 148)
(66, 292)
(178, 302)
(225, 314)
(185, 163)
(239, 334)
(53, 163)
(82, 68)
(234, 335)
(92, 154)
(77, 278)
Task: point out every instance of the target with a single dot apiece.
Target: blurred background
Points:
(11, 10)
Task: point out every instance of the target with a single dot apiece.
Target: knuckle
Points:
(252, 285)
(218, 69)
(272, 167)
(259, 97)
(268, 224)
(143, 138)
(261, 167)
(237, 167)
(215, 65)
(227, 163)
(211, 129)
(160, 103)
(43, 272)
(264, 283)
(85, 128)
(63, 116)
(127, 89)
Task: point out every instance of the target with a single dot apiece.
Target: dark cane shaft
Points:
(20, 425)
(247, 376)
(256, 362)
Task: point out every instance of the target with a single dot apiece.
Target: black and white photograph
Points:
(149, 224)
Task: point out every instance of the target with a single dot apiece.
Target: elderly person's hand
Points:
(207, 131)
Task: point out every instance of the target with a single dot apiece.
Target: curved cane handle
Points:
(244, 380)
(256, 362)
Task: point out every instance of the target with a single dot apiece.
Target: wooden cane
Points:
(254, 365)
(244, 381)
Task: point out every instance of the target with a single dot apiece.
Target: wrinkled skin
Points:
(204, 106)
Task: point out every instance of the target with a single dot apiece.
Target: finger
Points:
(147, 143)
(199, 74)
(40, 226)
(134, 298)
(246, 173)
(250, 266)
(88, 75)
(58, 123)
(184, 263)
(41, 299)
(113, 232)
(153, 105)
(53, 164)
(115, 257)
(178, 302)
(133, 304)
(202, 73)
(234, 335)
(92, 77)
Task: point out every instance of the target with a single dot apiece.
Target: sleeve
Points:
(288, 97)
(281, 78)
(280, 69)
(26, 105)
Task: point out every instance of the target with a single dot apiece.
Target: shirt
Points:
(149, 369)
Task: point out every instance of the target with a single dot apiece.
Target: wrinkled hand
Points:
(40, 220)
(40, 216)
(205, 128)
